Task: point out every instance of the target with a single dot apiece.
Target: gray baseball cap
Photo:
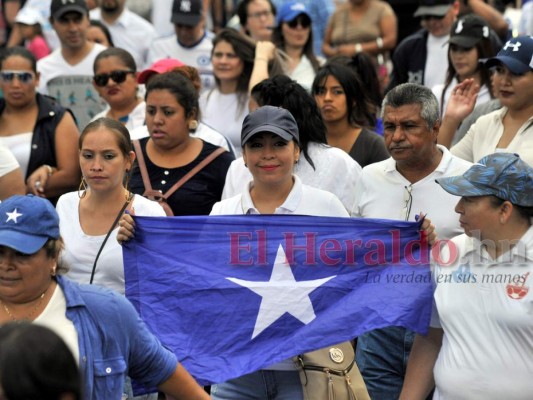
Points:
(276, 120)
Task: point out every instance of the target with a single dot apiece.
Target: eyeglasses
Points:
(303, 21)
(22, 76)
(437, 17)
(260, 14)
(408, 199)
(117, 76)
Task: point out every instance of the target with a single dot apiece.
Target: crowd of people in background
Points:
(152, 107)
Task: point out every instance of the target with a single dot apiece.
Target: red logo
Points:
(519, 291)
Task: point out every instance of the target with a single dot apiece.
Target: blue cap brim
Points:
(460, 186)
(514, 65)
(22, 242)
(292, 15)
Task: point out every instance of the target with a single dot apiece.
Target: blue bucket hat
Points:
(27, 222)
(516, 54)
(291, 10)
(503, 175)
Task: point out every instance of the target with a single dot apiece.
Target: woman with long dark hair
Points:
(348, 114)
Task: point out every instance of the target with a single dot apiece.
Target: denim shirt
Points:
(113, 342)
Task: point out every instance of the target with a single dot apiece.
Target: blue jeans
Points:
(128, 392)
(381, 356)
(260, 385)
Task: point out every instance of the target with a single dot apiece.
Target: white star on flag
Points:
(281, 294)
(12, 216)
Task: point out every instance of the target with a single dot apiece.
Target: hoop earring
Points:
(82, 189)
(193, 125)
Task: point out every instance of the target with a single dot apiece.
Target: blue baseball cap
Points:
(291, 10)
(516, 54)
(503, 175)
(27, 222)
(271, 119)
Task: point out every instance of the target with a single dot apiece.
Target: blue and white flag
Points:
(234, 294)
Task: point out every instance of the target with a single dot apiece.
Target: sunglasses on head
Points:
(22, 76)
(117, 76)
(303, 20)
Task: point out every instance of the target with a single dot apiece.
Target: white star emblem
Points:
(12, 216)
(281, 294)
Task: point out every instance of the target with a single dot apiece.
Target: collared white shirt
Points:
(383, 192)
(302, 199)
(485, 307)
(130, 32)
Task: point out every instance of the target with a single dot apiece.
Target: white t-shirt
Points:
(54, 317)
(382, 192)
(20, 147)
(436, 60)
(483, 136)
(335, 171)
(485, 308)
(81, 249)
(130, 32)
(198, 56)
(8, 162)
(135, 119)
(71, 85)
(304, 73)
(223, 113)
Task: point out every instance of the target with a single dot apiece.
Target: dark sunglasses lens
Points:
(118, 76)
(101, 79)
(25, 77)
(303, 20)
(7, 76)
(427, 17)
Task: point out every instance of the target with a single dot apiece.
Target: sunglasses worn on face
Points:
(22, 76)
(428, 17)
(117, 76)
(303, 21)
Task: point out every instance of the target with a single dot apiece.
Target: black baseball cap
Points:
(60, 7)
(468, 31)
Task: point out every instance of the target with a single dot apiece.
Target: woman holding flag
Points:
(270, 144)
